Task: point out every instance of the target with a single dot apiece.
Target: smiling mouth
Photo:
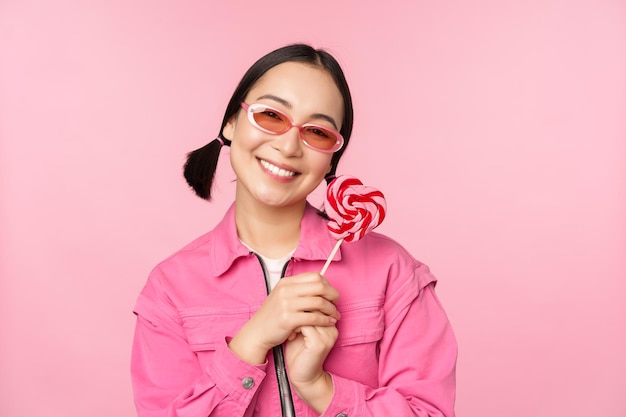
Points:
(276, 170)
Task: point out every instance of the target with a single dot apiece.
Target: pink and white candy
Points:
(354, 210)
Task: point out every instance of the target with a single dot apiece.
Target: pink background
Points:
(496, 129)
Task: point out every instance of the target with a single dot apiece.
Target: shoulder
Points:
(197, 248)
(189, 275)
(380, 252)
(155, 300)
(378, 247)
(182, 265)
(211, 252)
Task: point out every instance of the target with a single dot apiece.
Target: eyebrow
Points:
(289, 106)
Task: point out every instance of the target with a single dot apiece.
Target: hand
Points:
(297, 301)
(305, 353)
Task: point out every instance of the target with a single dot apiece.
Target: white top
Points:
(273, 267)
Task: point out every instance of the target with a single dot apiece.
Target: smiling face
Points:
(280, 170)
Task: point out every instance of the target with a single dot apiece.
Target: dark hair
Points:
(201, 164)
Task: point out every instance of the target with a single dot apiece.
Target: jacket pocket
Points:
(361, 322)
(206, 328)
(355, 354)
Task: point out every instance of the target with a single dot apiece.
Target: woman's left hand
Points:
(305, 353)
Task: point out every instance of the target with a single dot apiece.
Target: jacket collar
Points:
(315, 243)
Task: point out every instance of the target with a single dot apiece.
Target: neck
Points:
(271, 231)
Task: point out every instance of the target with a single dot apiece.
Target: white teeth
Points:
(277, 171)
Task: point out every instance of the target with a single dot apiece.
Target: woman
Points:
(219, 333)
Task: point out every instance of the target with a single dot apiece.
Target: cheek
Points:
(244, 136)
(322, 163)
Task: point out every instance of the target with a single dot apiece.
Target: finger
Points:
(310, 304)
(308, 288)
(313, 318)
(328, 333)
(320, 339)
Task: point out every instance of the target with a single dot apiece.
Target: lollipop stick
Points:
(331, 256)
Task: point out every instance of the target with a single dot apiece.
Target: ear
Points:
(229, 129)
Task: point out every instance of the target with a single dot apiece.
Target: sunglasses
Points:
(275, 122)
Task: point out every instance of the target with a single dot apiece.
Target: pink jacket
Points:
(395, 354)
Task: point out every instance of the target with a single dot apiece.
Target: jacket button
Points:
(247, 382)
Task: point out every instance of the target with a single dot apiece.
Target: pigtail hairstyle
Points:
(201, 164)
(200, 167)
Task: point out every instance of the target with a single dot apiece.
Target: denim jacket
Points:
(395, 353)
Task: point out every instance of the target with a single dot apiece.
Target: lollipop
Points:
(354, 209)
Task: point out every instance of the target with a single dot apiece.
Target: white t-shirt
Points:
(273, 267)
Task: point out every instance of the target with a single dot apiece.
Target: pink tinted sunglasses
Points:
(275, 122)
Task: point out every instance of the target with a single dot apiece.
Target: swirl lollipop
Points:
(354, 209)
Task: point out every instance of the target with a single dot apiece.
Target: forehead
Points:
(307, 89)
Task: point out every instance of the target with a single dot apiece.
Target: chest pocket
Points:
(355, 354)
(361, 322)
(206, 328)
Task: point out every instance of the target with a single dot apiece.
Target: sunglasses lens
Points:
(320, 138)
(271, 120)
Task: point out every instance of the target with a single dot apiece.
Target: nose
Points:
(289, 143)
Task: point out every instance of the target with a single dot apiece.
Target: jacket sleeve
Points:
(417, 358)
(167, 377)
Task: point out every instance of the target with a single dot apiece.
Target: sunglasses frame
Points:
(249, 108)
